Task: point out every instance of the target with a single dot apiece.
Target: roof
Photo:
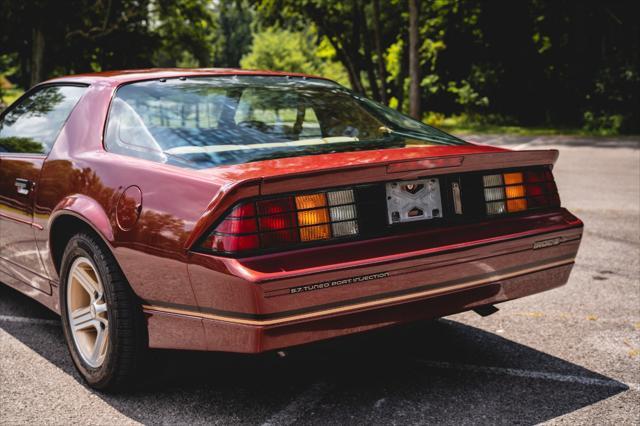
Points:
(127, 76)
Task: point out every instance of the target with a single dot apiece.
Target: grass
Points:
(461, 124)
(513, 130)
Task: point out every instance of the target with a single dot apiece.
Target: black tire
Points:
(127, 333)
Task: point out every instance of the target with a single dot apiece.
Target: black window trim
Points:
(29, 92)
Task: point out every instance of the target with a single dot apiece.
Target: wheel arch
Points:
(76, 214)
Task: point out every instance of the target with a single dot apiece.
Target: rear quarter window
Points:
(33, 124)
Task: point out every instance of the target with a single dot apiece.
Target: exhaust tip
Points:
(486, 310)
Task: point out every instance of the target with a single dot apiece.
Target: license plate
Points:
(414, 200)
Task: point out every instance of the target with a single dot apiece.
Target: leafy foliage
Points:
(15, 144)
(294, 51)
(185, 31)
(233, 35)
(528, 62)
(282, 50)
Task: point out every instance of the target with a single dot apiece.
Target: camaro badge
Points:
(336, 283)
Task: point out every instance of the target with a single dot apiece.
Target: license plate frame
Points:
(413, 200)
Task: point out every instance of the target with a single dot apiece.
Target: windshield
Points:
(207, 122)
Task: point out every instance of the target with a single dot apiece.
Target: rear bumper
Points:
(250, 315)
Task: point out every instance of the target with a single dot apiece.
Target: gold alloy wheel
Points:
(87, 312)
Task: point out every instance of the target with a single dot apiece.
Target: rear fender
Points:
(89, 211)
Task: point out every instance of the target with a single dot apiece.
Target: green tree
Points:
(281, 50)
(186, 30)
(233, 36)
(530, 62)
(350, 28)
(293, 51)
(53, 38)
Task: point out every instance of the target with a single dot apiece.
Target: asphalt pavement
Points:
(570, 355)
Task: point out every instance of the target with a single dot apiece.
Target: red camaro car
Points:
(245, 211)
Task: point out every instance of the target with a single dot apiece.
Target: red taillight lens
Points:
(278, 205)
(518, 191)
(237, 226)
(243, 210)
(277, 221)
(279, 238)
(231, 243)
(285, 221)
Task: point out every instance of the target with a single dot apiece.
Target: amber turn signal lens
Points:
(317, 217)
(312, 233)
(516, 205)
(515, 191)
(313, 217)
(311, 201)
(512, 178)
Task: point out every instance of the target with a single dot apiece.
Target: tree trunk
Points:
(382, 69)
(414, 61)
(346, 45)
(352, 44)
(37, 57)
(368, 61)
(402, 75)
(354, 73)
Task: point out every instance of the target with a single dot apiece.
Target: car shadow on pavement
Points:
(428, 372)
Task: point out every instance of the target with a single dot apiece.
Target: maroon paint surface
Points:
(151, 214)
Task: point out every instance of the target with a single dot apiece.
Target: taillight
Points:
(286, 221)
(517, 191)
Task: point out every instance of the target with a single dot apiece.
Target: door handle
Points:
(24, 186)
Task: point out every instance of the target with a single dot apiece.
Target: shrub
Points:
(602, 123)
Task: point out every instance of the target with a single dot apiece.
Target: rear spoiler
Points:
(405, 170)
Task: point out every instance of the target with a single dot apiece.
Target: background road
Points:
(568, 355)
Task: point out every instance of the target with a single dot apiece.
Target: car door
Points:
(28, 130)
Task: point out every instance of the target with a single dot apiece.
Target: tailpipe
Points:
(486, 310)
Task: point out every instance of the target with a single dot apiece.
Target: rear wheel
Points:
(102, 319)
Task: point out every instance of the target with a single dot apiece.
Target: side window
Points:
(32, 126)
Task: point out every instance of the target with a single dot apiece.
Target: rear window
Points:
(208, 122)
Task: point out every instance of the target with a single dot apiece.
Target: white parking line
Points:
(298, 406)
(531, 374)
(26, 320)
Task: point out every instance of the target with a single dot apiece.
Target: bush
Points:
(602, 123)
(293, 51)
(435, 119)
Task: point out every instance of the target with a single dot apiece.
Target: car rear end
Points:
(295, 257)
(331, 214)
